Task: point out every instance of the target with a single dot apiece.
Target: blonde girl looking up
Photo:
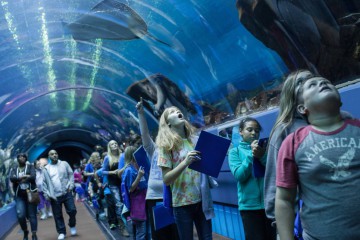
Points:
(191, 204)
(111, 178)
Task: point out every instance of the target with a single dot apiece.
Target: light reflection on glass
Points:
(96, 59)
(72, 78)
(48, 59)
(26, 72)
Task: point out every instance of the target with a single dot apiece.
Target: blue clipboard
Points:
(213, 150)
(142, 159)
(162, 216)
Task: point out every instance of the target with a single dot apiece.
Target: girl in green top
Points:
(250, 187)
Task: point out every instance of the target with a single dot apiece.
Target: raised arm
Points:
(147, 141)
(160, 95)
(140, 174)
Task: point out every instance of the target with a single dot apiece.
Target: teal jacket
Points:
(250, 189)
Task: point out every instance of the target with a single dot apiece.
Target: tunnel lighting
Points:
(48, 59)
(72, 78)
(26, 72)
(10, 23)
(66, 122)
(96, 59)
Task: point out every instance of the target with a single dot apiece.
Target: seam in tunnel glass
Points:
(77, 87)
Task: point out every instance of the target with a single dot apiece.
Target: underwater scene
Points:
(77, 68)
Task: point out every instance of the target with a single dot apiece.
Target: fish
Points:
(112, 20)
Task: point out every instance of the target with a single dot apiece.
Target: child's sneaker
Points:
(73, 231)
(43, 214)
(61, 236)
(102, 216)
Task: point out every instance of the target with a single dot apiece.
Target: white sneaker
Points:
(43, 217)
(50, 214)
(73, 231)
(61, 236)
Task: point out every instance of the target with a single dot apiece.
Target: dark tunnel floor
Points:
(87, 227)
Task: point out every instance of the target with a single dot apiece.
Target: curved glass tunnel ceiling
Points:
(105, 116)
(63, 72)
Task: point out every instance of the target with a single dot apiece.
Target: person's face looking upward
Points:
(319, 93)
(250, 132)
(175, 117)
(53, 155)
(113, 145)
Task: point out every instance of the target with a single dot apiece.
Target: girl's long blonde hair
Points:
(92, 158)
(113, 157)
(168, 139)
(129, 156)
(289, 99)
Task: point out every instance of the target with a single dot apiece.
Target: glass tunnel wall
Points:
(72, 71)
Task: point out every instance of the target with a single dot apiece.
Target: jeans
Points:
(4, 195)
(140, 230)
(68, 201)
(257, 226)
(26, 210)
(111, 204)
(186, 216)
(119, 205)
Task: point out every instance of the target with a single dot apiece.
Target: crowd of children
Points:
(309, 133)
(122, 192)
(130, 193)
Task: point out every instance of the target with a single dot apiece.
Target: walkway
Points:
(87, 227)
